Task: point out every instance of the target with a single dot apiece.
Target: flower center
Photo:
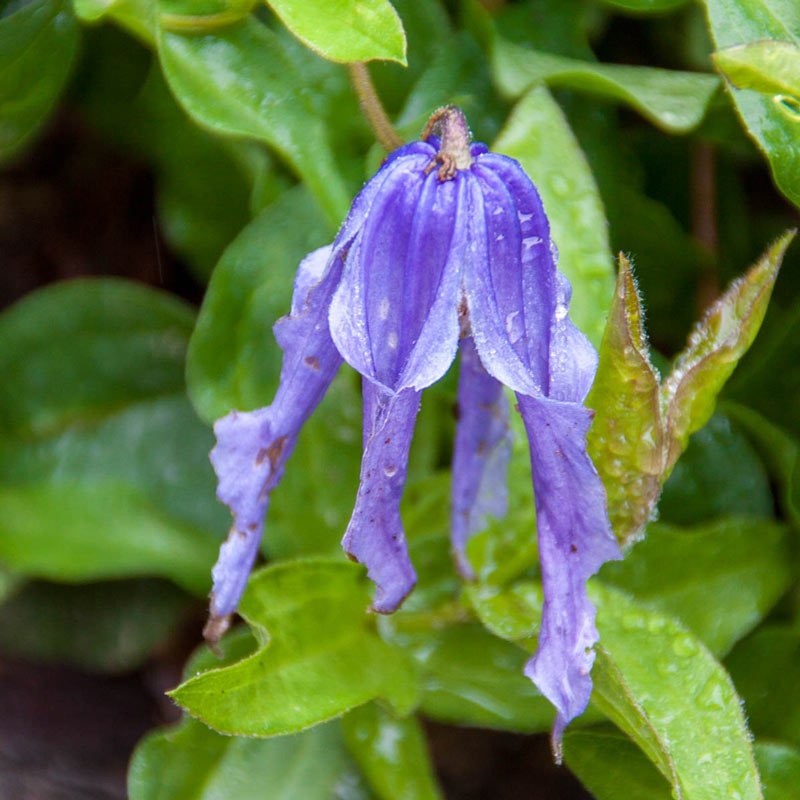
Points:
(450, 124)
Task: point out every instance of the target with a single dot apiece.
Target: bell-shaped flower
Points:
(447, 247)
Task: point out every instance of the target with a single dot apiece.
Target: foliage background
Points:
(201, 148)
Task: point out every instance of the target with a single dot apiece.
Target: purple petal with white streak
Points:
(510, 280)
(575, 539)
(375, 535)
(481, 454)
(394, 317)
(253, 447)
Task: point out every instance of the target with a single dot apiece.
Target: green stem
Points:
(372, 107)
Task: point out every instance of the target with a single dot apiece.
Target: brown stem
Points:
(373, 110)
(704, 219)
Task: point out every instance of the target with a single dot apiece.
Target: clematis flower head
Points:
(446, 248)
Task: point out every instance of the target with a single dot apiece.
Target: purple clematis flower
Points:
(447, 247)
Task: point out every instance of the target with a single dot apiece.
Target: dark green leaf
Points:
(104, 464)
(646, 6)
(719, 579)
(720, 474)
(766, 670)
(191, 762)
(392, 754)
(779, 451)
(234, 360)
(38, 44)
(626, 439)
(779, 765)
(773, 125)
(675, 101)
(317, 656)
(241, 81)
(352, 30)
(612, 767)
(111, 627)
(556, 164)
(470, 677)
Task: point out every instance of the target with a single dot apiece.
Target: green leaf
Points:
(539, 137)
(191, 762)
(689, 393)
(779, 765)
(626, 439)
(241, 81)
(111, 627)
(720, 474)
(672, 100)
(767, 66)
(392, 754)
(204, 182)
(611, 767)
(766, 670)
(664, 689)
(317, 657)
(772, 125)
(654, 680)
(104, 465)
(720, 579)
(311, 508)
(38, 45)
(78, 532)
(646, 6)
(137, 16)
(348, 30)
(779, 451)
(471, 677)
(234, 360)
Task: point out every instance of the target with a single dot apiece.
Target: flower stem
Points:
(373, 110)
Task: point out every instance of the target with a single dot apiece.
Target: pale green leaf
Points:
(240, 81)
(768, 66)
(675, 101)
(345, 30)
(317, 657)
(773, 125)
(661, 686)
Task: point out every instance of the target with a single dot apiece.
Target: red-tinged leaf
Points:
(626, 438)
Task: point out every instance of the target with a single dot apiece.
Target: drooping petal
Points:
(518, 308)
(481, 454)
(253, 447)
(375, 535)
(575, 539)
(394, 317)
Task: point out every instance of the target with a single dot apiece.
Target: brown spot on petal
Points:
(273, 452)
(313, 362)
(573, 548)
(215, 629)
